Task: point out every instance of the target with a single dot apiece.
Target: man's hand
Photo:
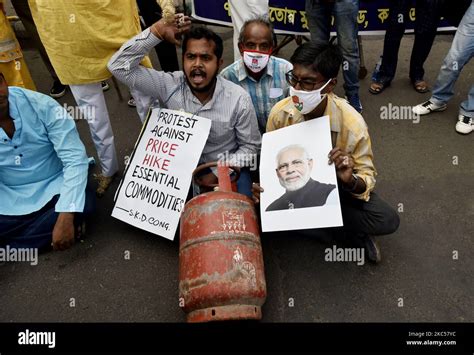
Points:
(256, 190)
(171, 32)
(204, 182)
(63, 232)
(344, 164)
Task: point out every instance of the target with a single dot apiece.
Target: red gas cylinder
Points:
(221, 274)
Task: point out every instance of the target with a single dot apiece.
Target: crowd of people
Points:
(44, 168)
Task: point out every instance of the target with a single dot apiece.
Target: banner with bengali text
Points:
(289, 17)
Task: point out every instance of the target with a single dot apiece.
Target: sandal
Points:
(420, 86)
(377, 87)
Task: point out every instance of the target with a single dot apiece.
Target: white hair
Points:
(298, 184)
(292, 147)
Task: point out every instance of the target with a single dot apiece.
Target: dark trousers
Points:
(345, 12)
(151, 12)
(35, 230)
(24, 13)
(428, 13)
(374, 217)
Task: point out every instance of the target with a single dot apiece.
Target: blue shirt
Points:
(44, 158)
(265, 93)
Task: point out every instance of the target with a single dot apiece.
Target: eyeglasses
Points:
(298, 163)
(306, 85)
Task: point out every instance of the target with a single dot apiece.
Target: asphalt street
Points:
(425, 171)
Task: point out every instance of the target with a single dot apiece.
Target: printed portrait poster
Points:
(152, 194)
(300, 186)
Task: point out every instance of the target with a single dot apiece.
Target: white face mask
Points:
(306, 101)
(256, 61)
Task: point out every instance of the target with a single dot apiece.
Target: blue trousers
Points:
(35, 230)
(462, 50)
(345, 13)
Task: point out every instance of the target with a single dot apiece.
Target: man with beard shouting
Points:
(197, 90)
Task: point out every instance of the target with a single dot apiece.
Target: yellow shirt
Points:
(12, 64)
(9, 47)
(80, 36)
(349, 128)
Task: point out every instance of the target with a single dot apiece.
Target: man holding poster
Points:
(198, 91)
(312, 81)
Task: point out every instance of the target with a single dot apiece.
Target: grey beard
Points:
(295, 186)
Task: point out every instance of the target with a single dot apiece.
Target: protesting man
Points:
(198, 90)
(312, 82)
(43, 171)
(293, 169)
(259, 73)
(80, 40)
(461, 51)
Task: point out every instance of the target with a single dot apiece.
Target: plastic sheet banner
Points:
(289, 17)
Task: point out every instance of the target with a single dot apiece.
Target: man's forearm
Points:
(125, 64)
(70, 150)
(66, 217)
(356, 186)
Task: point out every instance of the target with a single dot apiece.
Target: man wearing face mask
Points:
(312, 81)
(197, 89)
(259, 73)
(242, 10)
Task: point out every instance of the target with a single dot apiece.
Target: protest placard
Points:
(153, 191)
(300, 187)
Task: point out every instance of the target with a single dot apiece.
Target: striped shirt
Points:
(265, 93)
(234, 126)
(349, 131)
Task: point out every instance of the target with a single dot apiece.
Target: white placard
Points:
(310, 198)
(153, 191)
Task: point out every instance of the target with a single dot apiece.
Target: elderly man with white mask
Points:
(241, 11)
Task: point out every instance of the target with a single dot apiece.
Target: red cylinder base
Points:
(222, 313)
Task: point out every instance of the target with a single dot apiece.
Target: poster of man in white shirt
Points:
(300, 186)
